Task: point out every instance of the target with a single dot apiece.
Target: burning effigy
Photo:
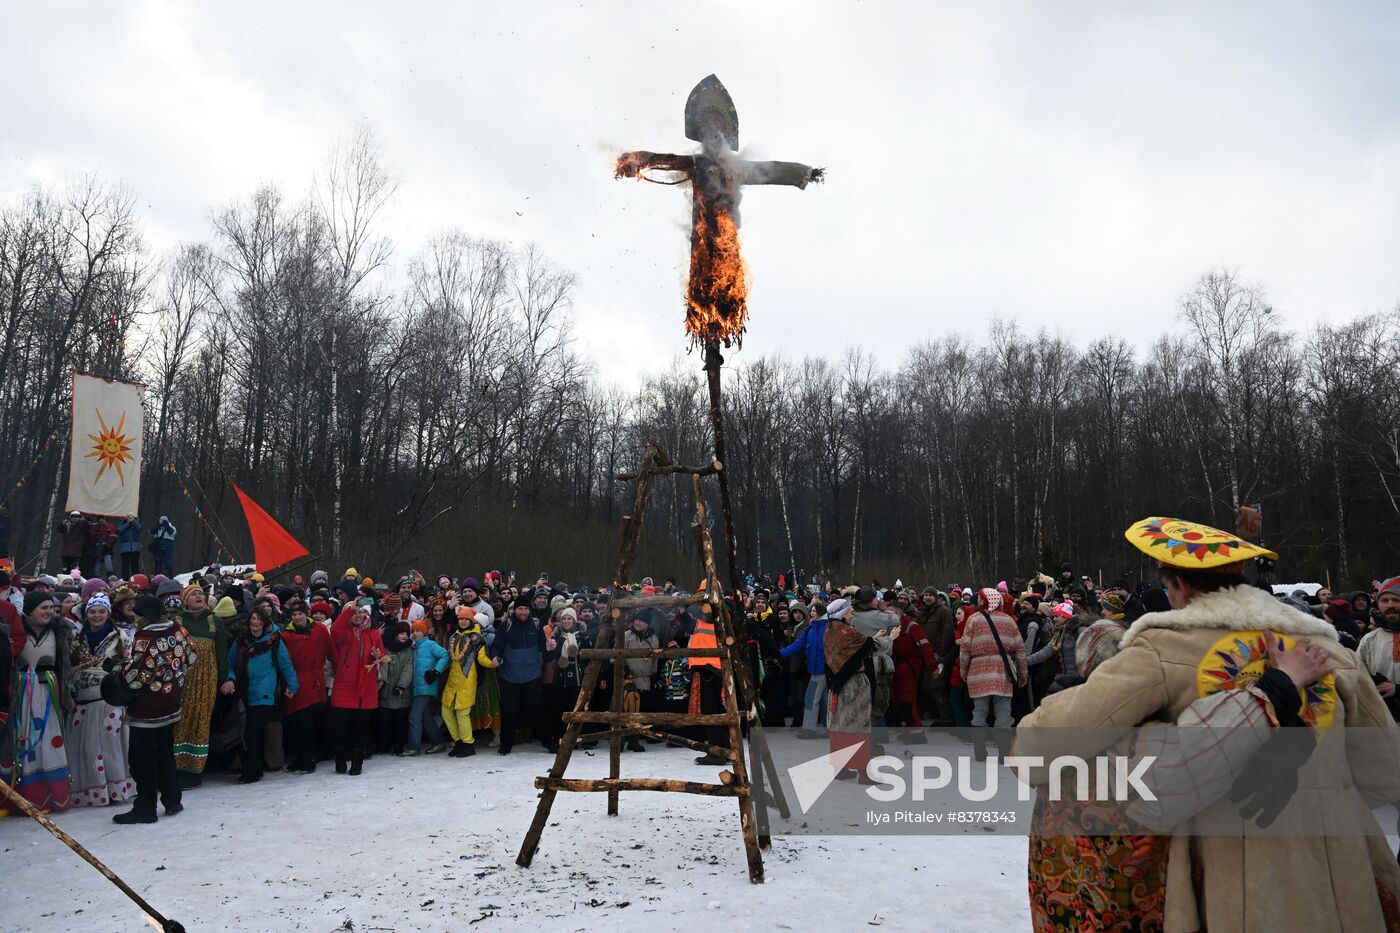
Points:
(717, 294)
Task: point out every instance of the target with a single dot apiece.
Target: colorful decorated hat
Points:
(1192, 546)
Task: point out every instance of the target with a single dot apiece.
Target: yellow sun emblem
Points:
(112, 447)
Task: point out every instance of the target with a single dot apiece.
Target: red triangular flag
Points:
(272, 545)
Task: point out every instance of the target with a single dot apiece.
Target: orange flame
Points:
(717, 297)
(629, 165)
(717, 300)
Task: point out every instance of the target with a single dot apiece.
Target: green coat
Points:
(206, 625)
(398, 672)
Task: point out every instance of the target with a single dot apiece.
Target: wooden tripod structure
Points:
(734, 782)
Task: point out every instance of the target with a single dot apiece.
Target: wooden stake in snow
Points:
(166, 925)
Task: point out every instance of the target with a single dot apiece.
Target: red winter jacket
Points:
(10, 616)
(352, 652)
(309, 652)
(912, 656)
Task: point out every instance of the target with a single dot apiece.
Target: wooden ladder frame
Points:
(734, 782)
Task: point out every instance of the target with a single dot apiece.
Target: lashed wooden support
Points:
(588, 654)
(645, 719)
(614, 785)
(609, 652)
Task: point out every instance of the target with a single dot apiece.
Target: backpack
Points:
(675, 679)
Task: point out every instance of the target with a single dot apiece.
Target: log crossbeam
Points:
(664, 785)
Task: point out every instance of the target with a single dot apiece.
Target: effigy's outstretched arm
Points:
(780, 173)
(633, 164)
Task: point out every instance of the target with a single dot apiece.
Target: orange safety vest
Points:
(703, 637)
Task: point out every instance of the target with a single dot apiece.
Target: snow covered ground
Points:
(429, 844)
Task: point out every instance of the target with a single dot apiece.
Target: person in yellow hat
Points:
(1224, 634)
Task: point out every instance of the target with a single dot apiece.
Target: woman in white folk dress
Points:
(97, 731)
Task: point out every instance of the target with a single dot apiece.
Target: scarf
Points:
(95, 638)
(464, 646)
(846, 651)
(250, 647)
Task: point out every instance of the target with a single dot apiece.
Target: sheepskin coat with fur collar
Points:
(1220, 878)
(1240, 608)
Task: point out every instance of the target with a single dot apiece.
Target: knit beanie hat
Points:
(391, 604)
(1097, 644)
(1339, 610)
(1114, 606)
(98, 599)
(557, 603)
(185, 593)
(471, 583)
(34, 599)
(225, 609)
(420, 627)
(467, 612)
(566, 613)
(149, 608)
(323, 607)
(90, 587)
(319, 576)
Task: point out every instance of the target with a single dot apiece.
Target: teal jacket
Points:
(257, 676)
(428, 655)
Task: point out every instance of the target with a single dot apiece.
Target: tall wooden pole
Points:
(713, 362)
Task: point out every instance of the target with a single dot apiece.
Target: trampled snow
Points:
(428, 844)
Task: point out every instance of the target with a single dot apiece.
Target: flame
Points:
(717, 299)
(629, 165)
(717, 296)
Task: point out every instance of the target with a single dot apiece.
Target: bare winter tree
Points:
(441, 416)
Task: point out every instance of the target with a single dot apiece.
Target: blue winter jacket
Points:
(428, 655)
(813, 642)
(262, 674)
(129, 537)
(520, 647)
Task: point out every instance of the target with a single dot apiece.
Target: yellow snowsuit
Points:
(459, 695)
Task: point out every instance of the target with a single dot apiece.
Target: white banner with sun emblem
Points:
(104, 465)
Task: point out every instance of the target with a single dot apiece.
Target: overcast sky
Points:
(1074, 166)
